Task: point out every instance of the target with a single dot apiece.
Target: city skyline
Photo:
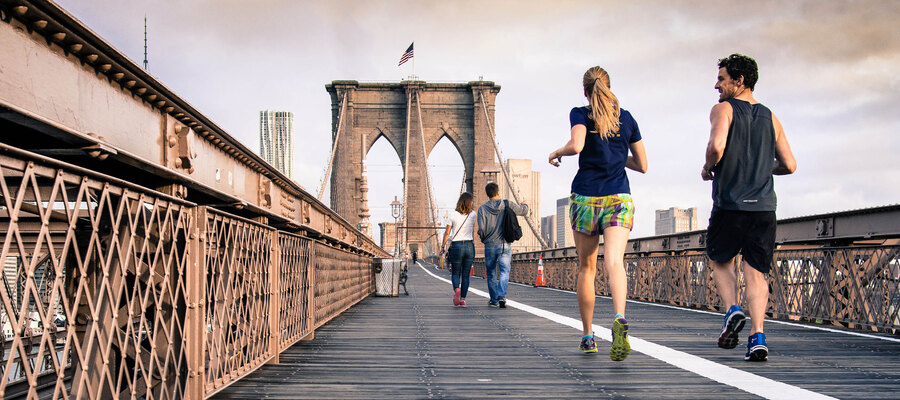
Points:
(825, 69)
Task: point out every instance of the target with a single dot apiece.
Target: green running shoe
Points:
(620, 347)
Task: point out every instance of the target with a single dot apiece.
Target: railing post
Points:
(195, 287)
(275, 299)
(311, 293)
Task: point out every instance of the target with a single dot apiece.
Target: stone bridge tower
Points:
(413, 116)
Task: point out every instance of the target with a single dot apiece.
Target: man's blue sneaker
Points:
(756, 348)
(734, 322)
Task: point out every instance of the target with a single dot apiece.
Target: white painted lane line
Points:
(739, 379)
(773, 321)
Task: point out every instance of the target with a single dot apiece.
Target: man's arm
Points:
(480, 225)
(785, 164)
(519, 209)
(720, 121)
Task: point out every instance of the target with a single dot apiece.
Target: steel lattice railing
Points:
(111, 290)
(856, 287)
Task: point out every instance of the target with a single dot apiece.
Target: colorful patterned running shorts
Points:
(591, 215)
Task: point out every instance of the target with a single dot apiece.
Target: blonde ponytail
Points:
(604, 104)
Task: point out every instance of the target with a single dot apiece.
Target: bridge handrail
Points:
(155, 294)
(850, 286)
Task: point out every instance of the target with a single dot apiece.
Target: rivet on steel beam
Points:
(105, 67)
(20, 10)
(130, 83)
(75, 47)
(40, 24)
(179, 115)
(59, 36)
(160, 103)
(170, 109)
(140, 90)
(118, 75)
(151, 97)
(91, 57)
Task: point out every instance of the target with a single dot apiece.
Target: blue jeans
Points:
(462, 253)
(497, 259)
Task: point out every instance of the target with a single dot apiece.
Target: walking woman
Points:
(462, 249)
(602, 134)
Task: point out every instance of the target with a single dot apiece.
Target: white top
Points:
(456, 222)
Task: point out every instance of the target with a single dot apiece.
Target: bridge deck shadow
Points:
(420, 346)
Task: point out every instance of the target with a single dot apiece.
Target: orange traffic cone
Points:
(539, 282)
(472, 271)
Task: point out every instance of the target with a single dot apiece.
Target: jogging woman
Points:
(603, 135)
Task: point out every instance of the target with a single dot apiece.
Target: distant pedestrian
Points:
(747, 145)
(460, 246)
(602, 134)
(497, 251)
(414, 259)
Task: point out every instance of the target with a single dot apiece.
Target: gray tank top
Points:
(743, 177)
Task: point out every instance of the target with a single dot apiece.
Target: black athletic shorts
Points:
(751, 233)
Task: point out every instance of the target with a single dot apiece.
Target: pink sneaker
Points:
(456, 297)
(462, 302)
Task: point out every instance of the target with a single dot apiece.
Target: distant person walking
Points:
(747, 145)
(497, 251)
(460, 232)
(602, 134)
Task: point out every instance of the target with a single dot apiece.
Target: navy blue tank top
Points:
(743, 177)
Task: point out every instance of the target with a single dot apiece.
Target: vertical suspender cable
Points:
(406, 164)
(431, 204)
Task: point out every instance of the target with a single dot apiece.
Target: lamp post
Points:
(396, 212)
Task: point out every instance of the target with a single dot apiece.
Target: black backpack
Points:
(509, 225)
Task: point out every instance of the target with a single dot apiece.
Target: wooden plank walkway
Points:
(420, 347)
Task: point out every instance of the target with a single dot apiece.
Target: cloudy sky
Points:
(826, 70)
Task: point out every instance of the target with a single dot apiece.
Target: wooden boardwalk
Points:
(421, 347)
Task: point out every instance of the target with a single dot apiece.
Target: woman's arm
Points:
(572, 147)
(446, 236)
(637, 161)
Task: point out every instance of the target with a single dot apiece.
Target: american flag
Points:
(406, 54)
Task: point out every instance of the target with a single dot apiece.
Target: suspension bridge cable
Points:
(337, 136)
(503, 168)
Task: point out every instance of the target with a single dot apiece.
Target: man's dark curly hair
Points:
(738, 65)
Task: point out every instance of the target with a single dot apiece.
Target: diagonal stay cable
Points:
(503, 168)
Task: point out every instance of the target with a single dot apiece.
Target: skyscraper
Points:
(675, 220)
(276, 140)
(548, 230)
(528, 186)
(564, 235)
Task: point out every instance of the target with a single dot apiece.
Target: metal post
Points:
(275, 299)
(311, 261)
(195, 329)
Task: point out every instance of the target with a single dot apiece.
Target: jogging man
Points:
(747, 145)
(497, 252)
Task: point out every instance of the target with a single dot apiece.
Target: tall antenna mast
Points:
(145, 42)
